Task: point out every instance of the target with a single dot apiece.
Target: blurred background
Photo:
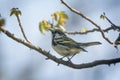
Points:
(18, 62)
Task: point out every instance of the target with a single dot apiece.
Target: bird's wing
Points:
(70, 43)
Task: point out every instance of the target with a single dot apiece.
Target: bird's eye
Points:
(57, 35)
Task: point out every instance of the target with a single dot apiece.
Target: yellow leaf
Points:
(55, 16)
(84, 29)
(2, 21)
(60, 17)
(63, 15)
(62, 21)
(44, 25)
(15, 11)
(102, 17)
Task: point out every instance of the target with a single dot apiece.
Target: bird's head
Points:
(57, 33)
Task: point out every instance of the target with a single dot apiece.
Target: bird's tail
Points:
(84, 45)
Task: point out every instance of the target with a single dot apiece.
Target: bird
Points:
(66, 46)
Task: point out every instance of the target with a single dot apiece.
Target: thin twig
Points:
(90, 31)
(22, 28)
(109, 21)
(49, 56)
(112, 24)
(85, 17)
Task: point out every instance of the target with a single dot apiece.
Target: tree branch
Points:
(115, 27)
(59, 61)
(22, 30)
(90, 31)
(85, 17)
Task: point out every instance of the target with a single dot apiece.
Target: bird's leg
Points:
(69, 59)
(72, 56)
(62, 57)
